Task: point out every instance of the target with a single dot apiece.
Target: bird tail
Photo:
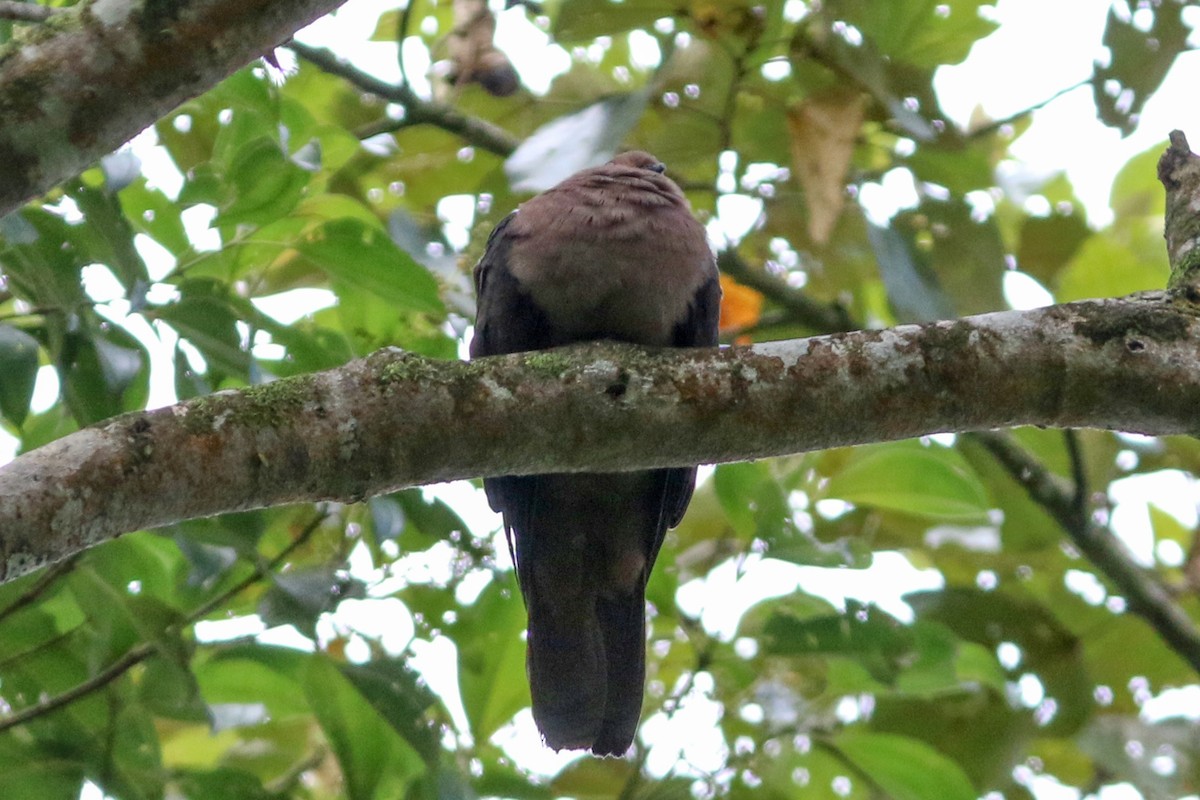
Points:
(623, 625)
(587, 672)
(566, 667)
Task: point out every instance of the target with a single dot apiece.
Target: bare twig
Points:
(48, 579)
(997, 124)
(401, 35)
(142, 651)
(1078, 471)
(1145, 595)
(417, 111)
(823, 317)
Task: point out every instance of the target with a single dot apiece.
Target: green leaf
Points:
(581, 20)
(912, 285)
(301, 596)
(934, 482)
(153, 213)
(865, 634)
(377, 763)
(266, 185)
(401, 697)
(29, 773)
(109, 238)
(904, 768)
(925, 33)
(254, 673)
(1107, 265)
(19, 366)
(491, 658)
(1139, 60)
(204, 316)
(966, 254)
(103, 372)
(362, 256)
(752, 499)
(1048, 649)
(592, 779)
(1048, 244)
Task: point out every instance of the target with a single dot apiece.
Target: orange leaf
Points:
(741, 306)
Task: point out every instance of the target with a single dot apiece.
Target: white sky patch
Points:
(690, 740)
(1175, 492)
(736, 216)
(197, 222)
(158, 259)
(644, 52)
(295, 304)
(1022, 292)
(437, 661)
(723, 596)
(1058, 42)
(896, 191)
(160, 171)
(537, 60)
(457, 213)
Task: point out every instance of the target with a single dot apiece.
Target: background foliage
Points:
(1023, 666)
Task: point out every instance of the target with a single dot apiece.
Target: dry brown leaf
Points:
(823, 129)
(473, 54)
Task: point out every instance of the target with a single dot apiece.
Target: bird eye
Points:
(657, 166)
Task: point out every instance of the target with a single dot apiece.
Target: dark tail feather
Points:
(566, 673)
(623, 624)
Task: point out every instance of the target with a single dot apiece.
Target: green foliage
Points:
(1002, 666)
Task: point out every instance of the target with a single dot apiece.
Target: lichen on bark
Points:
(1179, 172)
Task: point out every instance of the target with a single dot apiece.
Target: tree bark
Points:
(97, 74)
(393, 420)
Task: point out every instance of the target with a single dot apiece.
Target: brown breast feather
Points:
(612, 251)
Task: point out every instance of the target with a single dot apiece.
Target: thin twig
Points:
(142, 651)
(401, 35)
(822, 317)
(1078, 471)
(417, 111)
(48, 578)
(132, 657)
(997, 124)
(285, 783)
(26, 12)
(1145, 595)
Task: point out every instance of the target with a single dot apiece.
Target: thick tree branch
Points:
(1179, 172)
(106, 69)
(394, 420)
(26, 12)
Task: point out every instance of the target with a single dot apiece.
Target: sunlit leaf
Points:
(364, 257)
(580, 20)
(906, 769)
(932, 482)
(376, 761)
(491, 658)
